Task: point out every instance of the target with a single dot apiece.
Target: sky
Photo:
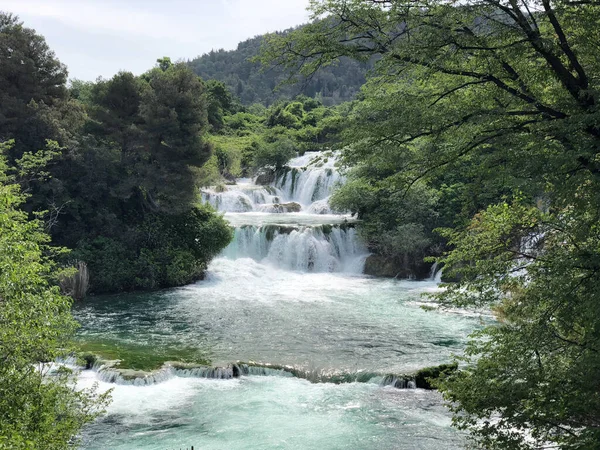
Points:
(101, 37)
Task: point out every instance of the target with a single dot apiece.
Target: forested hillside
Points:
(333, 84)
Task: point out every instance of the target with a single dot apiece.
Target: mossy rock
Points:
(425, 378)
(271, 190)
(346, 226)
(385, 267)
(326, 229)
(265, 177)
(290, 206)
(87, 359)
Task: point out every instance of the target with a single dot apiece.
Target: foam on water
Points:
(269, 413)
(250, 311)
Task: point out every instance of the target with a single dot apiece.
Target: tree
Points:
(174, 115)
(164, 63)
(498, 99)
(133, 176)
(30, 78)
(38, 409)
(220, 102)
(123, 158)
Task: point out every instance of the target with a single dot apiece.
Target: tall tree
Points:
(508, 92)
(31, 78)
(175, 123)
(220, 101)
(132, 210)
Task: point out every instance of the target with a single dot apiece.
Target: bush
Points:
(397, 225)
(274, 154)
(165, 250)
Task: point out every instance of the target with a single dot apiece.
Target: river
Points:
(288, 291)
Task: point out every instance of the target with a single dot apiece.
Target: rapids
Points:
(288, 291)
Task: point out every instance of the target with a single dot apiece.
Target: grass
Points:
(138, 357)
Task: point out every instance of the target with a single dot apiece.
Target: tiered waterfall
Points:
(289, 223)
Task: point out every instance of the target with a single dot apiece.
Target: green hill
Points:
(252, 84)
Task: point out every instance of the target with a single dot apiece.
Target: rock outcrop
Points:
(385, 267)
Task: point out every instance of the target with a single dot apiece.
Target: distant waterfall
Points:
(289, 224)
(305, 184)
(243, 198)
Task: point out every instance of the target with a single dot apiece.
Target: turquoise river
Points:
(288, 291)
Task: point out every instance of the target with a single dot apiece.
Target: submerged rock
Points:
(380, 266)
(289, 207)
(229, 178)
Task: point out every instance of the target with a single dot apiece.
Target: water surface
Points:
(287, 291)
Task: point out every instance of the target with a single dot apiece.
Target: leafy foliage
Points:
(539, 367)
(32, 80)
(37, 410)
(121, 168)
(164, 250)
(256, 137)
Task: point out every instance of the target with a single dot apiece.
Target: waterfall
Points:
(236, 370)
(435, 274)
(319, 248)
(289, 224)
(309, 180)
(242, 197)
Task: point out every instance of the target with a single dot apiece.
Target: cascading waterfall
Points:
(320, 242)
(435, 274)
(112, 375)
(318, 248)
(305, 184)
(243, 197)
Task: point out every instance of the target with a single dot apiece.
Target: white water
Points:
(270, 413)
(305, 185)
(287, 291)
(311, 239)
(299, 248)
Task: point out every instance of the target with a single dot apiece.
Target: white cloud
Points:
(267, 15)
(109, 35)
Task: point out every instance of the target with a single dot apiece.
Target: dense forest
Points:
(253, 83)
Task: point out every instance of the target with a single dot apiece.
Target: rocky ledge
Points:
(382, 266)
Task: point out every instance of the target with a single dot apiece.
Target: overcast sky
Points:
(100, 37)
